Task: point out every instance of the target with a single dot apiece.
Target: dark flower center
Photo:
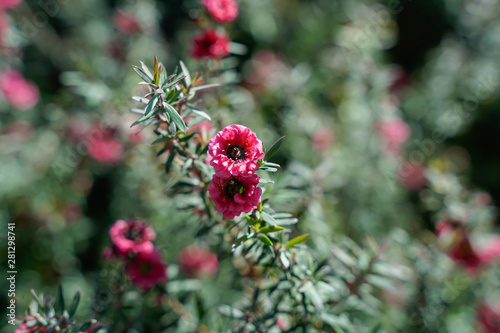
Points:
(145, 268)
(236, 153)
(234, 186)
(134, 233)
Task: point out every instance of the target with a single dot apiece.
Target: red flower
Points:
(235, 195)
(126, 22)
(235, 151)
(146, 270)
(131, 236)
(222, 11)
(198, 262)
(18, 92)
(465, 255)
(210, 44)
(488, 318)
(104, 147)
(9, 4)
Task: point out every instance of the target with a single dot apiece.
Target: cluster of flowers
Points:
(132, 242)
(215, 43)
(234, 154)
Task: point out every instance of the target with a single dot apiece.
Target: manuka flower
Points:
(223, 11)
(104, 146)
(131, 236)
(197, 262)
(147, 269)
(21, 94)
(488, 318)
(235, 151)
(210, 44)
(235, 195)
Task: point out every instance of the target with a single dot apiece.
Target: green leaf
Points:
(74, 305)
(269, 229)
(205, 86)
(142, 74)
(297, 240)
(264, 239)
(140, 99)
(60, 300)
(151, 105)
(230, 311)
(170, 159)
(156, 69)
(276, 146)
(143, 118)
(147, 71)
(284, 260)
(186, 73)
(35, 296)
(313, 295)
(202, 114)
(265, 181)
(269, 219)
(176, 118)
(161, 139)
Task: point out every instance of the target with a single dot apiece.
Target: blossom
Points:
(223, 11)
(235, 151)
(126, 22)
(198, 262)
(131, 236)
(210, 44)
(18, 92)
(322, 139)
(146, 270)
(9, 4)
(104, 147)
(488, 318)
(235, 195)
(464, 254)
(268, 71)
(394, 130)
(412, 175)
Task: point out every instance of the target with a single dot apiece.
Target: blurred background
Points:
(390, 111)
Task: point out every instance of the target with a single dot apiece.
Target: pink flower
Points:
(198, 262)
(18, 92)
(322, 139)
(126, 22)
(465, 255)
(131, 236)
(235, 151)
(104, 147)
(9, 4)
(394, 130)
(488, 318)
(210, 44)
(412, 176)
(235, 195)
(146, 270)
(268, 71)
(223, 11)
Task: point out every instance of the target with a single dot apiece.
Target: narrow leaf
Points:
(141, 74)
(297, 240)
(147, 71)
(186, 73)
(74, 305)
(176, 118)
(274, 148)
(205, 86)
(269, 229)
(264, 239)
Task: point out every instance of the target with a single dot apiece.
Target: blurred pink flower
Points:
(131, 236)
(9, 4)
(235, 151)
(210, 44)
(126, 22)
(412, 175)
(322, 139)
(198, 262)
(463, 254)
(233, 196)
(394, 130)
(223, 11)
(72, 211)
(488, 318)
(483, 199)
(147, 269)
(103, 146)
(18, 92)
